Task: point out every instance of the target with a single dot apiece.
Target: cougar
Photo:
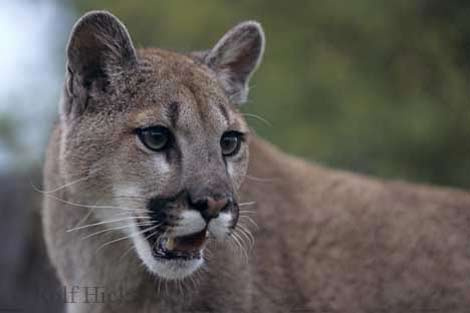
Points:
(159, 198)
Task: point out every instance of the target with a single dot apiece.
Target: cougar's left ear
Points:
(235, 57)
(98, 49)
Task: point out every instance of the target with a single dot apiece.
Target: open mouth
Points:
(186, 247)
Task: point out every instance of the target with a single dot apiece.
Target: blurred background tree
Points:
(375, 86)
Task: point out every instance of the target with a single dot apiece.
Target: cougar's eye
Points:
(230, 143)
(155, 138)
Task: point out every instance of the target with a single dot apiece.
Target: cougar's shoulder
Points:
(342, 237)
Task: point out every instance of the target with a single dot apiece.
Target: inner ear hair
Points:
(235, 58)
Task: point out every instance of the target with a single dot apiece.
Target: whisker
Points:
(239, 244)
(242, 248)
(260, 118)
(249, 219)
(126, 252)
(247, 203)
(244, 237)
(244, 230)
(145, 238)
(87, 215)
(159, 285)
(116, 228)
(140, 211)
(194, 281)
(180, 287)
(43, 191)
(129, 197)
(246, 212)
(80, 205)
(105, 222)
(261, 179)
(125, 237)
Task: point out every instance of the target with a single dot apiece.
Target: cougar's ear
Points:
(99, 47)
(235, 57)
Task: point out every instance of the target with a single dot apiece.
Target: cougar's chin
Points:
(176, 269)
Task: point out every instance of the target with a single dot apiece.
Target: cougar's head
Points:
(158, 138)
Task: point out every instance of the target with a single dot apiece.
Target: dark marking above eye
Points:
(173, 111)
(224, 112)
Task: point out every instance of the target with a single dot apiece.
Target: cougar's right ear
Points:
(235, 57)
(99, 47)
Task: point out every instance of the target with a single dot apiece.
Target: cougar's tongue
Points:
(189, 243)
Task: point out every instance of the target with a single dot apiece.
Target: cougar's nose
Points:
(210, 207)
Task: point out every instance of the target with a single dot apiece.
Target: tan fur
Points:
(325, 240)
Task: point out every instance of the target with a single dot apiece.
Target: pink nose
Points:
(210, 207)
(215, 206)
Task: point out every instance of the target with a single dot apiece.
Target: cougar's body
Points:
(158, 198)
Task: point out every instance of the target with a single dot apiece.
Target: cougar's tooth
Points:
(170, 243)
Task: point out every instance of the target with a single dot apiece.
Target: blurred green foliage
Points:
(374, 86)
